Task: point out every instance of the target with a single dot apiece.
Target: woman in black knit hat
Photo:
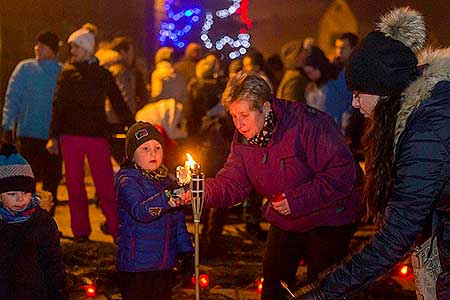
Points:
(408, 156)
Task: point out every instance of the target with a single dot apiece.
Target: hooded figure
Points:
(293, 84)
(408, 157)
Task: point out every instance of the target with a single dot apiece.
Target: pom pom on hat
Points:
(405, 25)
(15, 172)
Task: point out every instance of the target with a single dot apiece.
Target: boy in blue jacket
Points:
(152, 231)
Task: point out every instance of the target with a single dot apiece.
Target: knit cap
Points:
(138, 134)
(15, 172)
(84, 38)
(384, 62)
(50, 39)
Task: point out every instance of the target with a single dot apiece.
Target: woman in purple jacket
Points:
(296, 157)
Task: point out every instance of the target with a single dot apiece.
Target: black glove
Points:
(8, 136)
(311, 291)
(185, 263)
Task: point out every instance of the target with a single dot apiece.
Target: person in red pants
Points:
(80, 127)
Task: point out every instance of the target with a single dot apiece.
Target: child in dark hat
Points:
(152, 230)
(31, 265)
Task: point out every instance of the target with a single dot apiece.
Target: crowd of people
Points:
(293, 157)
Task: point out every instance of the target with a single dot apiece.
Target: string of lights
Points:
(178, 25)
(236, 46)
(174, 31)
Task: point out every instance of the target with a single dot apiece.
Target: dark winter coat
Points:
(202, 96)
(79, 101)
(151, 233)
(307, 158)
(422, 185)
(31, 265)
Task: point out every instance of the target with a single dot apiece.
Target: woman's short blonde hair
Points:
(247, 86)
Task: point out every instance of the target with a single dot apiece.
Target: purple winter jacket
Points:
(307, 159)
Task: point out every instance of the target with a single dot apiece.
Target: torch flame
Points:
(190, 161)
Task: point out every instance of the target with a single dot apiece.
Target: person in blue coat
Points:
(152, 229)
(408, 157)
(28, 109)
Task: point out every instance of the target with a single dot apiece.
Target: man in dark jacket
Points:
(296, 157)
(408, 165)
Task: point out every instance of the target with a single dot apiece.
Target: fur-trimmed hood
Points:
(437, 68)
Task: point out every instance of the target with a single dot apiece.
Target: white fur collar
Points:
(437, 69)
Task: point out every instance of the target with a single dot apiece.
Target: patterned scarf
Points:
(11, 216)
(157, 175)
(263, 138)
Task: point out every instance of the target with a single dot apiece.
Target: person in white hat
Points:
(79, 126)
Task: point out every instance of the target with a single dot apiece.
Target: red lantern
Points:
(90, 290)
(203, 280)
(404, 270)
(259, 284)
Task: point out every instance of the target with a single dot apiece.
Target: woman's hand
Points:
(178, 197)
(280, 204)
(185, 198)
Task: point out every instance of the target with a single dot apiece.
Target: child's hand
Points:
(173, 202)
(178, 197)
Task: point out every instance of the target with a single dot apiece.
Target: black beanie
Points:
(384, 62)
(50, 39)
(138, 134)
(15, 172)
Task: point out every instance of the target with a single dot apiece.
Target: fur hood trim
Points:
(437, 68)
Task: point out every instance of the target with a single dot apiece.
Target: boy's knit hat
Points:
(138, 134)
(15, 172)
(84, 38)
(384, 62)
(50, 39)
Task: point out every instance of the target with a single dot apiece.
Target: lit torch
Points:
(191, 174)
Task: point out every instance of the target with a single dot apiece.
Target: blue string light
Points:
(179, 24)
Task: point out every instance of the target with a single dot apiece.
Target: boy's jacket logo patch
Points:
(155, 211)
